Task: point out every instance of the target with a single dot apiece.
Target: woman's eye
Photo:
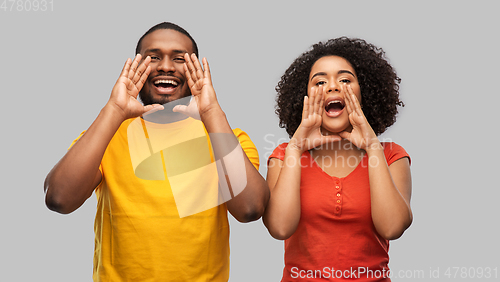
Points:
(345, 81)
(320, 83)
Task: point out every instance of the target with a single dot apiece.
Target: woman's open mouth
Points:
(334, 107)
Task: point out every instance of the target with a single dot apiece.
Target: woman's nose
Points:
(333, 86)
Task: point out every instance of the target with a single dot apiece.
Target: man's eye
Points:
(154, 58)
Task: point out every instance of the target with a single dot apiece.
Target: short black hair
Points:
(167, 25)
(377, 79)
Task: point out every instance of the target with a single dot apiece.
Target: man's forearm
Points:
(249, 205)
(76, 175)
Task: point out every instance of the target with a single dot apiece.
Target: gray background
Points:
(57, 69)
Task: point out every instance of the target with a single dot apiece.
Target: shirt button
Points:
(338, 194)
(338, 208)
(338, 201)
(338, 187)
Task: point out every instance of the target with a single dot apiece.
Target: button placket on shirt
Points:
(338, 196)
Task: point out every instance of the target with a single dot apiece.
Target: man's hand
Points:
(190, 110)
(127, 87)
(200, 83)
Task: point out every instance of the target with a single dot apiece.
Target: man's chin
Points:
(163, 99)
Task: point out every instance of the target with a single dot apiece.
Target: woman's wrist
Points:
(296, 146)
(374, 147)
(292, 155)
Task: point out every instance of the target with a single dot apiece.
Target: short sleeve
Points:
(394, 152)
(278, 153)
(100, 165)
(248, 147)
(74, 141)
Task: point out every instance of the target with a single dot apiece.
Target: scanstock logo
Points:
(203, 170)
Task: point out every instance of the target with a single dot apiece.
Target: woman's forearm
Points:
(390, 190)
(283, 211)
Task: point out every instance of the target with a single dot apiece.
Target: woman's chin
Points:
(335, 130)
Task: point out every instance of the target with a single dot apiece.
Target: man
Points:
(140, 234)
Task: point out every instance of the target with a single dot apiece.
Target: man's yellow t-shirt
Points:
(139, 235)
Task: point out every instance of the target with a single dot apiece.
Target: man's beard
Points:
(166, 115)
(147, 99)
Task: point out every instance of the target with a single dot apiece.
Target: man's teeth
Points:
(174, 83)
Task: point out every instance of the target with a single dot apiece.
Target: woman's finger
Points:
(347, 99)
(311, 101)
(305, 108)
(318, 100)
(355, 102)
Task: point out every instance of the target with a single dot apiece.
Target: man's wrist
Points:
(215, 120)
(113, 113)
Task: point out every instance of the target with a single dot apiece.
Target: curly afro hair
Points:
(377, 79)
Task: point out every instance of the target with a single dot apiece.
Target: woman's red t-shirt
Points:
(336, 238)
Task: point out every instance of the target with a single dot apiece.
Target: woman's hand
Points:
(127, 87)
(362, 134)
(308, 134)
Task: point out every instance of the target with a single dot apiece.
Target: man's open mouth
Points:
(166, 83)
(165, 86)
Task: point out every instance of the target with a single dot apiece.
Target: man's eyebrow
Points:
(157, 50)
(154, 50)
(180, 51)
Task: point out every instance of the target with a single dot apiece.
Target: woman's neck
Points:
(342, 147)
(338, 158)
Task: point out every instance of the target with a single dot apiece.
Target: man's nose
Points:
(166, 65)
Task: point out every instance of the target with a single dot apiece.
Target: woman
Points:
(338, 195)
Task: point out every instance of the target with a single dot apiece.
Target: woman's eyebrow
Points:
(339, 72)
(346, 71)
(317, 74)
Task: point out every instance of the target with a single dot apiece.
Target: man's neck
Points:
(166, 115)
